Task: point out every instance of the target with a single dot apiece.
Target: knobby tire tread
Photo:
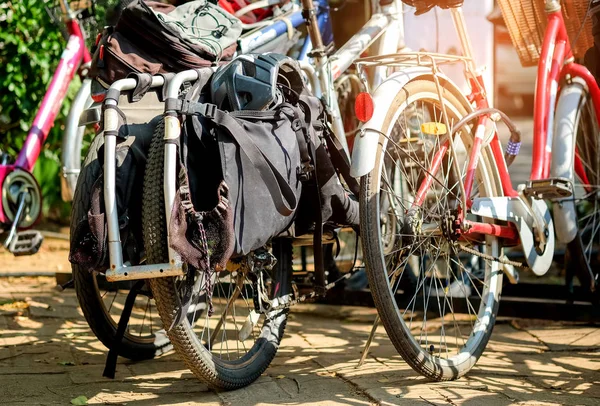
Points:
(196, 358)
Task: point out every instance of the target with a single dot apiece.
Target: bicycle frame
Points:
(71, 59)
(555, 66)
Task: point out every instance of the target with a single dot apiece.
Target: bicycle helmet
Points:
(252, 82)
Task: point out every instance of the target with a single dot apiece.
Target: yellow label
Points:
(433, 128)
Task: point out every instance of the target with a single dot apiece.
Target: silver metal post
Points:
(172, 132)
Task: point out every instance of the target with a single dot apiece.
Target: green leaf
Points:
(79, 400)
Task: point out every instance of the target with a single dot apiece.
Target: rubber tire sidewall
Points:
(384, 301)
(92, 306)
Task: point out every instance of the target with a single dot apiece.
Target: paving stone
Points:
(526, 363)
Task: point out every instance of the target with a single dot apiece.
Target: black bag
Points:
(243, 172)
(152, 37)
(89, 240)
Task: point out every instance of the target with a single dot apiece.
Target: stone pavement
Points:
(49, 356)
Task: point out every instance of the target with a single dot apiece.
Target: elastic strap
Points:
(282, 194)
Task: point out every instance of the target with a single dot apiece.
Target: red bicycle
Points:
(437, 202)
(20, 206)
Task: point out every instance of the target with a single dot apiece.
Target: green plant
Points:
(30, 47)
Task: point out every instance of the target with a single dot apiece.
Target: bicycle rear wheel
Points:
(102, 302)
(435, 292)
(234, 346)
(584, 251)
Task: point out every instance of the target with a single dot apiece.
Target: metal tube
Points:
(256, 39)
(178, 80)
(311, 74)
(130, 273)
(71, 142)
(172, 132)
(461, 29)
(111, 123)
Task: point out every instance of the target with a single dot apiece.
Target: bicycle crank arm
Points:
(517, 212)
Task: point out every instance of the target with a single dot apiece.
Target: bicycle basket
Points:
(526, 22)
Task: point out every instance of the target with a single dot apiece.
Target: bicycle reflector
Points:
(363, 107)
(433, 128)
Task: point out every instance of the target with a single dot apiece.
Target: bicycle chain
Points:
(492, 258)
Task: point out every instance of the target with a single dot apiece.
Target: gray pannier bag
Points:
(249, 151)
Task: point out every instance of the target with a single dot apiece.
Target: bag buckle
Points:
(209, 110)
(306, 172)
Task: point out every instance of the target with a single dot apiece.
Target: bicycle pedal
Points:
(549, 189)
(26, 243)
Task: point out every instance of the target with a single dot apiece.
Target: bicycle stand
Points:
(113, 353)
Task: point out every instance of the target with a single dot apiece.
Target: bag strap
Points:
(282, 194)
(340, 161)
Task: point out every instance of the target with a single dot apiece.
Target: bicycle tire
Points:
(583, 257)
(214, 371)
(87, 289)
(386, 290)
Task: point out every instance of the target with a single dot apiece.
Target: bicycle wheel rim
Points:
(423, 359)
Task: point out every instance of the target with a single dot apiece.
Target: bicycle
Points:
(20, 207)
(221, 358)
(437, 204)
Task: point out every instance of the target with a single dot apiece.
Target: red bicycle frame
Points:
(74, 55)
(554, 66)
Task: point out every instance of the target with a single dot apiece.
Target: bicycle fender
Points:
(71, 142)
(365, 143)
(563, 156)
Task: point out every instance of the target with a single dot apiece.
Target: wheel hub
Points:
(16, 183)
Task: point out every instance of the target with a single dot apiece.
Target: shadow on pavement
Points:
(48, 355)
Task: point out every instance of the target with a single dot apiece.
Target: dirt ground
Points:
(48, 356)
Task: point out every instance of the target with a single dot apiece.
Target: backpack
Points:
(152, 37)
(240, 178)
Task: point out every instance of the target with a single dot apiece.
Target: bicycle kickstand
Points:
(365, 351)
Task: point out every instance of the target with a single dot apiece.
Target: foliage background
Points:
(31, 43)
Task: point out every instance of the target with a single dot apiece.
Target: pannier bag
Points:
(152, 37)
(89, 238)
(248, 160)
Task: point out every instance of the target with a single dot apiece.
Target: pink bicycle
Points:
(437, 202)
(20, 206)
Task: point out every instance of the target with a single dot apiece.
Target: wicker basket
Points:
(526, 21)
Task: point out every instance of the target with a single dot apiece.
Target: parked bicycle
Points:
(238, 350)
(21, 204)
(437, 203)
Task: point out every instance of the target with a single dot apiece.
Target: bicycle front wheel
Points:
(436, 292)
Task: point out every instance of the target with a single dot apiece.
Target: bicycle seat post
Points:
(461, 28)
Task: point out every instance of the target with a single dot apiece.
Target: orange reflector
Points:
(98, 97)
(363, 107)
(433, 128)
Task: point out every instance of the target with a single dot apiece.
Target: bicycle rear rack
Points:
(119, 271)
